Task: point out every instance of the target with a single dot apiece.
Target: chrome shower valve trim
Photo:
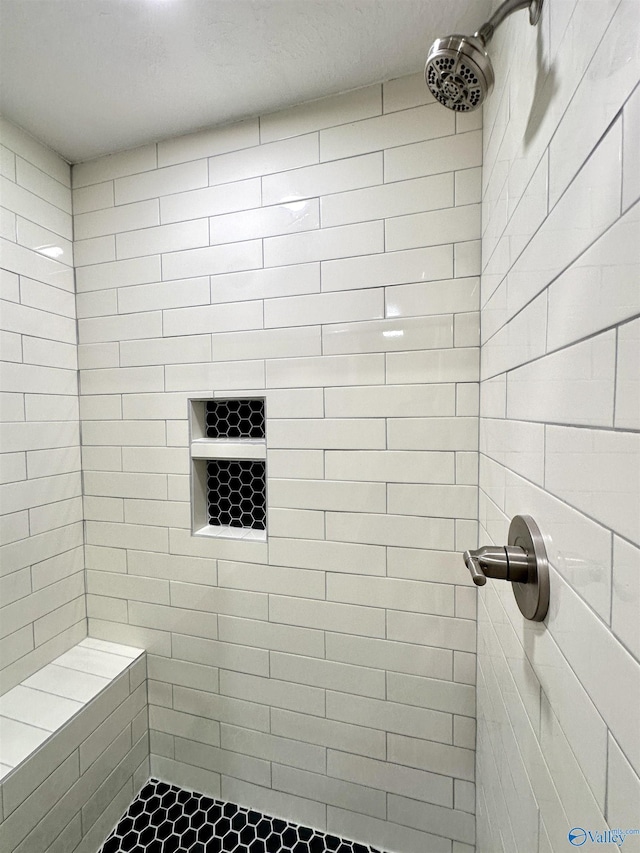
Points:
(523, 562)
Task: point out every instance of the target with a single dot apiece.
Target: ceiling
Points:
(89, 77)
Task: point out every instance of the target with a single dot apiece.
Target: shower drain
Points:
(167, 819)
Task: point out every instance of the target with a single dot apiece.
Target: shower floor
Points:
(167, 819)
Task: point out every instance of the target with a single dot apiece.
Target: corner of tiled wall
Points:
(42, 581)
(558, 745)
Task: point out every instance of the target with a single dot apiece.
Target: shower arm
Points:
(486, 31)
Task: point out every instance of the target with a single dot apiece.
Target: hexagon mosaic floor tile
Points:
(167, 819)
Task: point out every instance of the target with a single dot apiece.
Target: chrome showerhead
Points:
(458, 71)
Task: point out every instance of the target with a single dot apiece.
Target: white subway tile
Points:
(443, 365)
(630, 143)
(210, 201)
(589, 206)
(206, 143)
(321, 113)
(98, 355)
(468, 186)
(449, 225)
(324, 308)
(390, 466)
(275, 579)
(24, 203)
(445, 822)
(627, 406)
(113, 166)
(436, 757)
(388, 592)
(327, 616)
(402, 93)
(433, 433)
(591, 111)
(212, 260)
(308, 812)
(160, 182)
(592, 470)
(623, 789)
(97, 303)
(22, 261)
(462, 151)
(440, 297)
(172, 294)
(270, 691)
(381, 832)
(327, 494)
(212, 318)
(118, 274)
(265, 222)
(43, 184)
(267, 343)
(7, 163)
(264, 159)
(293, 753)
(599, 288)
(359, 369)
(429, 500)
(266, 283)
(574, 385)
(165, 238)
(96, 250)
(328, 556)
(626, 594)
(357, 798)
(397, 657)
(114, 220)
(325, 244)
(388, 335)
(390, 401)
(328, 674)
(389, 716)
(380, 202)
(43, 241)
(592, 651)
(92, 197)
(425, 122)
(334, 177)
(442, 631)
(118, 380)
(328, 433)
(391, 530)
(225, 376)
(389, 268)
(123, 327)
(268, 635)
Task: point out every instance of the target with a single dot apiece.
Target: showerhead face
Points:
(458, 72)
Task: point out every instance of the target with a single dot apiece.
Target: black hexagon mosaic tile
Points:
(237, 493)
(234, 418)
(167, 819)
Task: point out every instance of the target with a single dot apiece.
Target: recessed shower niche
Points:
(228, 467)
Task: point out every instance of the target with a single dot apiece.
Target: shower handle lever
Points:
(509, 563)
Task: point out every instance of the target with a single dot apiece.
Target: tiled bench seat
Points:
(73, 749)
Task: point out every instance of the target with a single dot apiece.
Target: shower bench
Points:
(73, 749)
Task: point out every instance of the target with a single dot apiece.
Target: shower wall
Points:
(41, 576)
(558, 733)
(326, 257)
